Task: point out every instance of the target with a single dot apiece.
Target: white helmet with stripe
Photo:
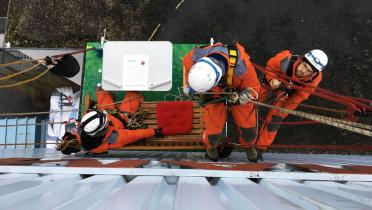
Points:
(317, 58)
(94, 122)
(204, 75)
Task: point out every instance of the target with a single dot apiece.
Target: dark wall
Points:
(342, 28)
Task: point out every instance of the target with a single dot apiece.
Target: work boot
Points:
(212, 154)
(251, 154)
(259, 154)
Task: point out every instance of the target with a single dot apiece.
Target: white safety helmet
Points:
(317, 58)
(204, 75)
(94, 122)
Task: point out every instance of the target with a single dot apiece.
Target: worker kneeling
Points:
(217, 69)
(100, 132)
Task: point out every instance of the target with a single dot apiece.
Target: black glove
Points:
(159, 132)
(68, 136)
(69, 144)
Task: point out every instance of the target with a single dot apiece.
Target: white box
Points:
(137, 66)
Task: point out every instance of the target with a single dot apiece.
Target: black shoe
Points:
(212, 154)
(259, 155)
(251, 154)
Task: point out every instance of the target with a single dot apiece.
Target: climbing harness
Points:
(233, 59)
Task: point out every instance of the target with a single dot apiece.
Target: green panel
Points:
(93, 66)
(93, 75)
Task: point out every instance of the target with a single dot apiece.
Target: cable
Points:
(346, 125)
(352, 103)
(17, 62)
(25, 81)
(21, 72)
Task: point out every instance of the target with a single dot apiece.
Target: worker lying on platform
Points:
(100, 131)
(219, 68)
(307, 68)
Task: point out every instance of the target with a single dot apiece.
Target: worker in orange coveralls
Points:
(100, 131)
(217, 68)
(307, 68)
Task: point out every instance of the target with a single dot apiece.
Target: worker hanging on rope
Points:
(307, 68)
(215, 69)
(100, 131)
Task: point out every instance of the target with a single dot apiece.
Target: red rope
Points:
(72, 53)
(311, 146)
(353, 104)
(325, 147)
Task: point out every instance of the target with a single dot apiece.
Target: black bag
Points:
(67, 66)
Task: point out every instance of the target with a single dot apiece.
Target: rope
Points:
(17, 62)
(117, 102)
(25, 81)
(73, 53)
(38, 113)
(26, 124)
(42, 59)
(48, 112)
(346, 125)
(63, 122)
(360, 125)
(308, 146)
(21, 72)
(309, 122)
(73, 144)
(322, 108)
(355, 104)
(284, 146)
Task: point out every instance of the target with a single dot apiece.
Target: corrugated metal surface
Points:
(161, 186)
(31, 191)
(335, 160)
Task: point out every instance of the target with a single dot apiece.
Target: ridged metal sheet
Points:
(158, 186)
(323, 159)
(31, 191)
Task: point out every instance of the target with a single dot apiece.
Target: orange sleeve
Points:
(187, 64)
(131, 136)
(300, 95)
(274, 63)
(104, 100)
(249, 77)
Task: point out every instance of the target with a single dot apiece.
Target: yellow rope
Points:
(48, 112)
(21, 72)
(41, 59)
(19, 62)
(25, 81)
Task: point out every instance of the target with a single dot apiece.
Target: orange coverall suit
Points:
(287, 98)
(215, 114)
(116, 136)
